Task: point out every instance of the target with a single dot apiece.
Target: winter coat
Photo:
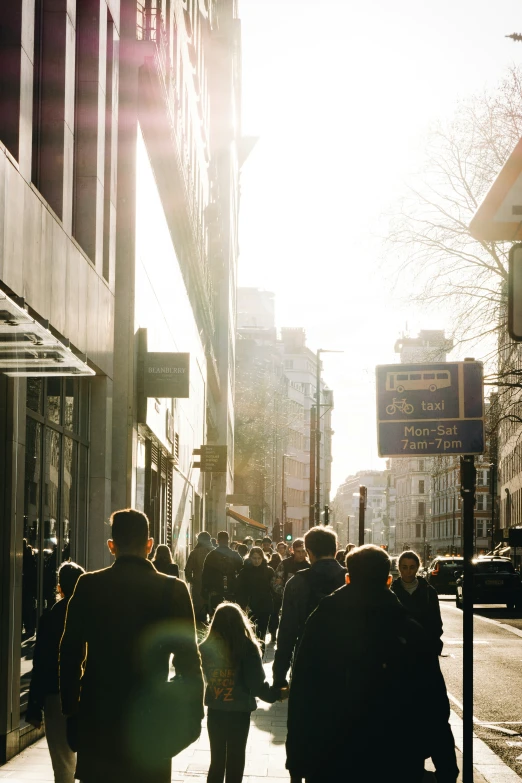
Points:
(44, 678)
(360, 655)
(234, 688)
(220, 563)
(123, 623)
(423, 605)
(286, 570)
(170, 569)
(302, 593)
(254, 588)
(193, 572)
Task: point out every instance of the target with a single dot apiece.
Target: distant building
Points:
(275, 480)
(380, 510)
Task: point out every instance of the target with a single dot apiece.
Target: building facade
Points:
(280, 373)
(379, 518)
(120, 156)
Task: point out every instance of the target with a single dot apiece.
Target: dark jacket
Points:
(360, 653)
(254, 588)
(122, 625)
(194, 571)
(220, 563)
(234, 688)
(170, 569)
(290, 566)
(302, 593)
(423, 605)
(44, 678)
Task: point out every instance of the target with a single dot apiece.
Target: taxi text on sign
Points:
(499, 217)
(426, 409)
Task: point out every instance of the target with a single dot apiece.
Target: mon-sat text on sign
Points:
(430, 409)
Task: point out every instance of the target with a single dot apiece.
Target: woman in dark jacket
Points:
(254, 588)
(44, 693)
(419, 598)
(193, 572)
(163, 561)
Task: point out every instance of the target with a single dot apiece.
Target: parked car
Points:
(495, 581)
(441, 573)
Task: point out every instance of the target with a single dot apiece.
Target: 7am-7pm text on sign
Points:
(430, 409)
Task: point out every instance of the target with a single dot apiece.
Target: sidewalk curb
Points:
(485, 761)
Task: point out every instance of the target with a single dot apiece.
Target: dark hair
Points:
(411, 555)
(321, 541)
(248, 538)
(222, 536)
(162, 554)
(204, 536)
(340, 556)
(349, 548)
(276, 560)
(68, 575)
(256, 550)
(231, 627)
(368, 565)
(130, 528)
(298, 542)
(242, 550)
(267, 540)
(258, 541)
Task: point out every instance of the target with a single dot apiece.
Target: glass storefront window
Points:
(53, 399)
(55, 497)
(34, 394)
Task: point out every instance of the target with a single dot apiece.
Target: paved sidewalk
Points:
(265, 753)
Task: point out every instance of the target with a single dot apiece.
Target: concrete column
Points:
(100, 473)
(124, 445)
(90, 128)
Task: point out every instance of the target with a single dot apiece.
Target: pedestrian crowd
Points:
(126, 660)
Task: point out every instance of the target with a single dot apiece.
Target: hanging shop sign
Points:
(213, 459)
(166, 375)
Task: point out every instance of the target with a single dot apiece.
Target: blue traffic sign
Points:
(430, 409)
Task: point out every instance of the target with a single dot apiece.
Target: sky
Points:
(341, 94)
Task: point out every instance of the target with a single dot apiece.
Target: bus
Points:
(418, 381)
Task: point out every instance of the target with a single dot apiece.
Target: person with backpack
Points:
(234, 675)
(361, 655)
(419, 598)
(44, 693)
(254, 590)
(220, 570)
(302, 594)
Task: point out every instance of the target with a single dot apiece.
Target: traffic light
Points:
(288, 531)
(327, 515)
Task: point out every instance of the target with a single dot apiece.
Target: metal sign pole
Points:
(468, 482)
(362, 507)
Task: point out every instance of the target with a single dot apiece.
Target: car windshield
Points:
(450, 565)
(494, 567)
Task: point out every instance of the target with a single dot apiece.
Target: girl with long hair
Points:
(234, 675)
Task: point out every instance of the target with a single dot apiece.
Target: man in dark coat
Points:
(302, 594)
(194, 571)
(123, 623)
(361, 656)
(220, 570)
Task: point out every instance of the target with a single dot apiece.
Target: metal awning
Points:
(28, 348)
(245, 520)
